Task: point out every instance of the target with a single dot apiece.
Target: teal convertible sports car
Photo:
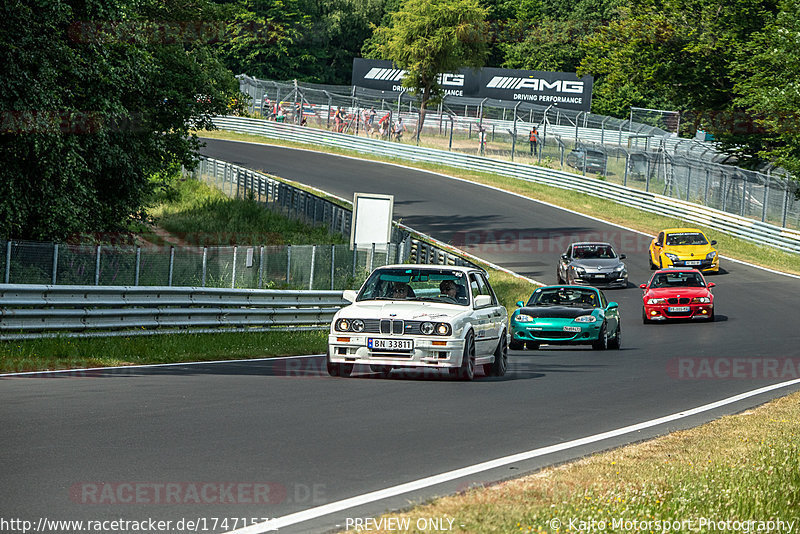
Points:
(566, 315)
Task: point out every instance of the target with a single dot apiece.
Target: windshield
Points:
(687, 238)
(429, 285)
(678, 279)
(559, 296)
(593, 252)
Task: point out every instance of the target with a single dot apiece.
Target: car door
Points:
(486, 317)
(612, 316)
(655, 249)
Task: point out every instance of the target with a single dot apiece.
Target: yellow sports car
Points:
(683, 247)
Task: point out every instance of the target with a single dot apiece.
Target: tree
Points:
(97, 98)
(671, 54)
(769, 88)
(264, 37)
(427, 38)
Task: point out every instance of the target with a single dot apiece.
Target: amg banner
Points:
(564, 89)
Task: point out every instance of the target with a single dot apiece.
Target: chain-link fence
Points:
(271, 267)
(627, 152)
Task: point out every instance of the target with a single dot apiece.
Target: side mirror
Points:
(520, 304)
(482, 300)
(565, 257)
(622, 256)
(658, 243)
(713, 241)
(642, 286)
(349, 295)
(612, 306)
(711, 284)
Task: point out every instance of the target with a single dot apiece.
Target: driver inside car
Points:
(401, 290)
(448, 289)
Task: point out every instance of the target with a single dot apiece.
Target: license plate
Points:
(390, 344)
(599, 276)
(678, 309)
(693, 262)
(572, 329)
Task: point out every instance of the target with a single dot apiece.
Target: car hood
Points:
(564, 312)
(407, 311)
(665, 292)
(597, 264)
(690, 251)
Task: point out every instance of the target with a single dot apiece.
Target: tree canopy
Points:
(429, 37)
(96, 98)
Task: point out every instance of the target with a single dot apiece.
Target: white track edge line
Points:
(338, 506)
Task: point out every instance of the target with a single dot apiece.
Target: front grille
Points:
(678, 314)
(398, 355)
(555, 335)
(674, 300)
(395, 327)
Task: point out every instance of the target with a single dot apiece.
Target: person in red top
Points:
(534, 139)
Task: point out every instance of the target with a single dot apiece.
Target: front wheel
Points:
(516, 345)
(467, 369)
(616, 342)
(645, 320)
(602, 339)
(500, 364)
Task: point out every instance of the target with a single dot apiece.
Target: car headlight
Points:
(656, 301)
(701, 300)
(672, 257)
(343, 325)
(620, 267)
(443, 329)
(711, 255)
(579, 270)
(586, 319)
(426, 328)
(357, 325)
(522, 318)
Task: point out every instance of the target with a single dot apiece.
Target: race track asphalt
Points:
(78, 446)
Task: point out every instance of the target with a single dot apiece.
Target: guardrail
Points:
(742, 227)
(36, 311)
(236, 181)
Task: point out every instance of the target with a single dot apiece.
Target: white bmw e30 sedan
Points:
(421, 316)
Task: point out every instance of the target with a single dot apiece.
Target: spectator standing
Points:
(399, 128)
(534, 139)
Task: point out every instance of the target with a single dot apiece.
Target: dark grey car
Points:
(592, 263)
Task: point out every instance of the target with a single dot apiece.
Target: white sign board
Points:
(372, 221)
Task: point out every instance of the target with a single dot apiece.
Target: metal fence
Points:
(311, 267)
(745, 228)
(636, 155)
(36, 311)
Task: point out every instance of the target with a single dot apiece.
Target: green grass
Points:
(69, 353)
(738, 468)
(649, 223)
(202, 215)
